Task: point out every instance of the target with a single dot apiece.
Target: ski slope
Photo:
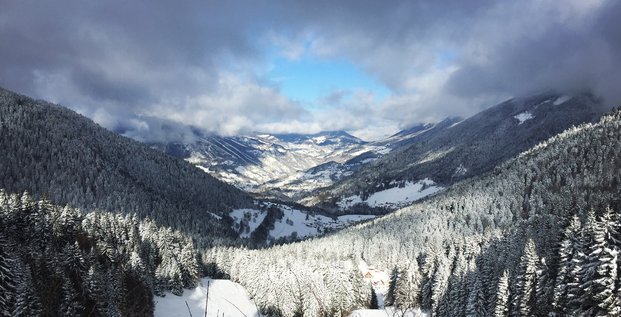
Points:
(226, 298)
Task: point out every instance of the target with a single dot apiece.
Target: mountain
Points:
(52, 152)
(262, 162)
(453, 150)
(537, 235)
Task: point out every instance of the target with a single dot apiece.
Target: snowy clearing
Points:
(295, 222)
(379, 280)
(561, 100)
(251, 218)
(388, 312)
(523, 117)
(225, 297)
(396, 196)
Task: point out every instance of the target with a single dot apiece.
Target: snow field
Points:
(396, 196)
(294, 220)
(226, 298)
(523, 117)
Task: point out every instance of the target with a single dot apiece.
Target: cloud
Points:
(205, 64)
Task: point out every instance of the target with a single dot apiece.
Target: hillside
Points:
(265, 163)
(50, 151)
(465, 148)
(524, 239)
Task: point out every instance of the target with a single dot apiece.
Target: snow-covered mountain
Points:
(339, 172)
(455, 149)
(262, 162)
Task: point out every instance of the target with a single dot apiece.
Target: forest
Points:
(537, 236)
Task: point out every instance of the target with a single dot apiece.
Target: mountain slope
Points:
(52, 152)
(262, 162)
(523, 239)
(467, 148)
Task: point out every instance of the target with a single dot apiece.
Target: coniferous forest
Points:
(537, 236)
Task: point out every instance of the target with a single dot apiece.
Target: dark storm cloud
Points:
(566, 56)
(203, 62)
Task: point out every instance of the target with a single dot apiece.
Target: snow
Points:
(294, 220)
(456, 123)
(433, 155)
(379, 280)
(253, 218)
(387, 312)
(461, 170)
(215, 216)
(278, 165)
(523, 117)
(561, 100)
(396, 196)
(314, 225)
(225, 297)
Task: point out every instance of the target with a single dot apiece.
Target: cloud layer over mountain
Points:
(207, 63)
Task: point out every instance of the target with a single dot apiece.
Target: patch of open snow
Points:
(523, 116)
(225, 297)
(305, 225)
(394, 197)
(383, 150)
(251, 217)
(461, 170)
(561, 100)
(349, 201)
(294, 220)
(215, 216)
(434, 155)
(378, 279)
(456, 123)
(389, 311)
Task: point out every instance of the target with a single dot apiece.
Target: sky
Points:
(368, 67)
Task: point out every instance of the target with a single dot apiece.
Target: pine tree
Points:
(502, 296)
(476, 300)
(8, 281)
(524, 300)
(395, 274)
(603, 258)
(70, 305)
(567, 251)
(544, 289)
(26, 303)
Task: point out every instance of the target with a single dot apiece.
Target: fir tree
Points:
(502, 296)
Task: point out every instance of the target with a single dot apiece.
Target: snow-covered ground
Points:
(523, 117)
(561, 100)
(252, 218)
(294, 221)
(380, 280)
(388, 312)
(396, 196)
(225, 299)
